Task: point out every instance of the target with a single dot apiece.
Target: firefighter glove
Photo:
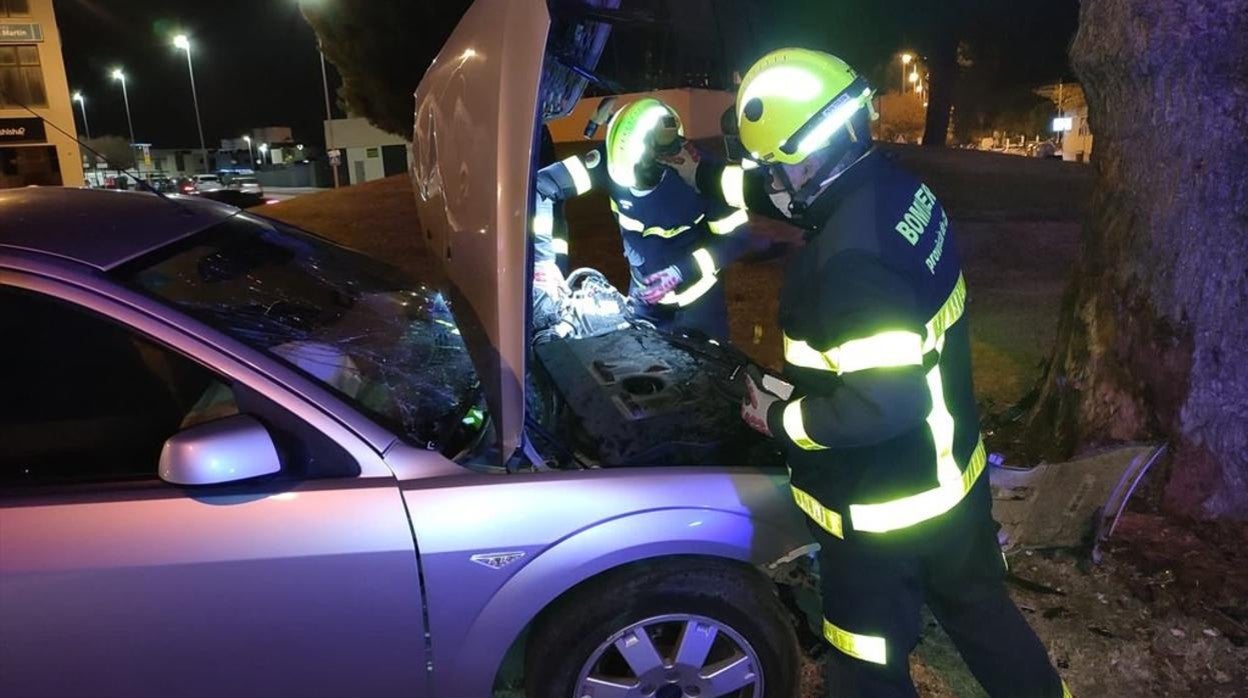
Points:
(757, 403)
(659, 284)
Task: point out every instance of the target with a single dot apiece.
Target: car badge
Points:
(626, 204)
(496, 560)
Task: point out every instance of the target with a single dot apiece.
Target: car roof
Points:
(98, 227)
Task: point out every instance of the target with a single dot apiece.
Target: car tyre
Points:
(667, 598)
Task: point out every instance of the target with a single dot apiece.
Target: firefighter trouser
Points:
(708, 314)
(874, 586)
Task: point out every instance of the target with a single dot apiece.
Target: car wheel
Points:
(679, 628)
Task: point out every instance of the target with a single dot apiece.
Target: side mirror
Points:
(224, 450)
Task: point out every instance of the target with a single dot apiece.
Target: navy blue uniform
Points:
(670, 225)
(882, 435)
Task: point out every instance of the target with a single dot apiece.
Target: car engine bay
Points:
(614, 391)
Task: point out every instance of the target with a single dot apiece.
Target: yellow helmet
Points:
(792, 102)
(634, 134)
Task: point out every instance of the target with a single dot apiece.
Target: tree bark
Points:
(1153, 342)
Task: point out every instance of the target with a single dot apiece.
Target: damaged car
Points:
(241, 459)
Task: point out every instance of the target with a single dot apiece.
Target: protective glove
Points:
(659, 284)
(756, 403)
(683, 162)
(548, 279)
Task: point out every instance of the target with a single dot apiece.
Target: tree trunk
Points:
(1153, 342)
(943, 62)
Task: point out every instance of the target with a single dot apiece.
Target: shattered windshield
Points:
(387, 343)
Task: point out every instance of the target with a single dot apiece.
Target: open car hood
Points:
(477, 111)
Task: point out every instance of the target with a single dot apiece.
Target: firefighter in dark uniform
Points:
(676, 241)
(881, 430)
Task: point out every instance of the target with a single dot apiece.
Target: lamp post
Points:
(120, 76)
(264, 153)
(905, 61)
(82, 105)
(182, 42)
(329, 118)
(251, 153)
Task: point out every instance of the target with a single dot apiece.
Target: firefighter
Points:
(881, 430)
(676, 241)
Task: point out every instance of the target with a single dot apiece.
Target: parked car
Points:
(208, 182)
(186, 185)
(247, 184)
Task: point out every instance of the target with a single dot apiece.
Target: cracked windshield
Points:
(386, 343)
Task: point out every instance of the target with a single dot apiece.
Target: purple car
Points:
(238, 459)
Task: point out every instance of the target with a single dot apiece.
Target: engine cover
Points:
(641, 396)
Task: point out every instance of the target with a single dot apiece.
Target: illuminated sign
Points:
(1063, 123)
(22, 131)
(20, 33)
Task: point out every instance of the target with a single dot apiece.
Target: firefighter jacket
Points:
(670, 225)
(882, 431)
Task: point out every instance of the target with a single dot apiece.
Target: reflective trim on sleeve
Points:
(706, 265)
(950, 312)
(729, 223)
(543, 223)
(908, 511)
(827, 519)
(884, 350)
(559, 246)
(1066, 691)
(868, 648)
(795, 427)
(580, 175)
(627, 222)
(732, 183)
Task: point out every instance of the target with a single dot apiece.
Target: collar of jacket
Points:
(853, 177)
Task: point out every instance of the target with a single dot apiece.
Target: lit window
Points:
(21, 77)
(14, 8)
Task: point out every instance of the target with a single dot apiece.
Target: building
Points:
(365, 152)
(32, 73)
(1072, 104)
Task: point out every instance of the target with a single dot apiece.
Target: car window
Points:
(87, 400)
(385, 342)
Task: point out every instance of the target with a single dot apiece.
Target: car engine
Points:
(625, 393)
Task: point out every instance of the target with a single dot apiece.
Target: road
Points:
(287, 193)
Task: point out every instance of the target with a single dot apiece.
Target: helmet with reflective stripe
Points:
(793, 101)
(634, 135)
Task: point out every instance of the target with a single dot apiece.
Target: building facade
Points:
(32, 74)
(365, 151)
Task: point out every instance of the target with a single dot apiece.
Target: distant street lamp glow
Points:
(251, 153)
(914, 76)
(906, 58)
(82, 104)
(119, 75)
(905, 61)
(182, 42)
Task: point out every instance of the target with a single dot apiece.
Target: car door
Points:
(115, 583)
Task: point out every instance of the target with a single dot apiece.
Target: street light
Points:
(905, 61)
(264, 152)
(251, 153)
(82, 104)
(914, 76)
(182, 42)
(120, 76)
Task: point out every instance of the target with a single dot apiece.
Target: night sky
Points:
(256, 64)
(256, 61)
